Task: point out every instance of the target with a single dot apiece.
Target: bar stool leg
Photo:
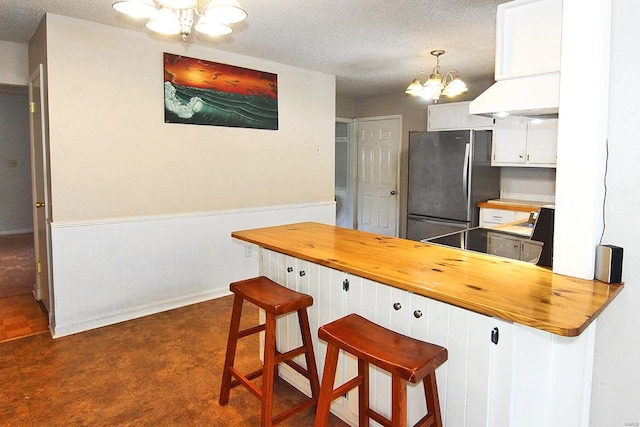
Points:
(398, 402)
(268, 372)
(363, 394)
(303, 320)
(232, 342)
(326, 390)
(433, 401)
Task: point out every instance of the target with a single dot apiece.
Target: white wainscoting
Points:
(109, 271)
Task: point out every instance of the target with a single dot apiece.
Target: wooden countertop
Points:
(499, 287)
(512, 205)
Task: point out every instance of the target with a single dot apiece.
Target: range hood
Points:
(529, 96)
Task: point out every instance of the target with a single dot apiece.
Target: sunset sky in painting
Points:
(202, 74)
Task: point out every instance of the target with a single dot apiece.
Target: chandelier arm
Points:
(449, 76)
(421, 73)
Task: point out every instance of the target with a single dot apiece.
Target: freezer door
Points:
(439, 174)
(425, 228)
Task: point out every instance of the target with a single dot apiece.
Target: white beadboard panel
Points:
(551, 378)
(110, 271)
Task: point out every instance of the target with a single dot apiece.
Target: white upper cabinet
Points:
(525, 142)
(528, 38)
(455, 116)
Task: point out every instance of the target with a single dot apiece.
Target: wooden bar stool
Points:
(275, 300)
(405, 358)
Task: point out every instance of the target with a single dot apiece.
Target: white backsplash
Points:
(537, 184)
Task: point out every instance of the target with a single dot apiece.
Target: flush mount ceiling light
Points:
(176, 17)
(450, 85)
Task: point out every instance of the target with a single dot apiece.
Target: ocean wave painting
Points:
(208, 93)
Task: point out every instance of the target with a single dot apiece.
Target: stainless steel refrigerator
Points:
(449, 173)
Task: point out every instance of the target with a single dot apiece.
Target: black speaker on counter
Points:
(543, 232)
(609, 263)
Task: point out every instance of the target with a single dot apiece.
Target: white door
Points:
(40, 182)
(378, 157)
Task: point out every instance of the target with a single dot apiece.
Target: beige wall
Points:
(14, 70)
(113, 156)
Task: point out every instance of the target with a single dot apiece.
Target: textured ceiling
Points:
(374, 47)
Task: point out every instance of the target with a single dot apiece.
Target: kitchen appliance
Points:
(609, 263)
(449, 173)
(492, 242)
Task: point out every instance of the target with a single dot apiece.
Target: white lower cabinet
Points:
(526, 378)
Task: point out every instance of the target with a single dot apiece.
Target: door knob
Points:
(39, 205)
(393, 192)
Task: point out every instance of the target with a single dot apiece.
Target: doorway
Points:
(378, 174)
(345, 167)
(20, 313)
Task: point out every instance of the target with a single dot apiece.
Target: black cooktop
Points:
(477, 240)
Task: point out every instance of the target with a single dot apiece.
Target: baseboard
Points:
(58, 331)
(17, 231)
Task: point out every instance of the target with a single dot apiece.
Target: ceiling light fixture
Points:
(450, 85)
(176, 17)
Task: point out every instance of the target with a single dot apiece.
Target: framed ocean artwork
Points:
(209, 93)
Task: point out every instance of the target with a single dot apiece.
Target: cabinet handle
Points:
(495, 335)
(417, 314)
(289, 269)
(302, 273)
(397, 306)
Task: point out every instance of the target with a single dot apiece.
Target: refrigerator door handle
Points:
(465, 170)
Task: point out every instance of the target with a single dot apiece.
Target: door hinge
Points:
(38, 267)
(32, 107)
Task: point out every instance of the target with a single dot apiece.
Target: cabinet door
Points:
(443, 117)
(542, 142)
(503, 246)
(530, 252)
(463, 381)
(509, 142)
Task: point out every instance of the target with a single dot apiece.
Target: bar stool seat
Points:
(405, 358)
(275, 300)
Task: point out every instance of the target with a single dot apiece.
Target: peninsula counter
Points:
(520, 338)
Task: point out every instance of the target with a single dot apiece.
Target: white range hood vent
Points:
(530, 96)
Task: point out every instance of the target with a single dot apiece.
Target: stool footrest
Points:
(244, 380)
(251, 331)
(349, 385)
(426, 421)
(293, 410)
(378, 418)
(283, 357)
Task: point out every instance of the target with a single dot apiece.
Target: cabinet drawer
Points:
(497, 216)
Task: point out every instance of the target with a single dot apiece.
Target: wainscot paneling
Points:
(111, 271)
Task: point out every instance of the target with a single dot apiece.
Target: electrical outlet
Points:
(247, 251)
(13, 163)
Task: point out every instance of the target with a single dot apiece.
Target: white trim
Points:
(170, 217)
(134, 313)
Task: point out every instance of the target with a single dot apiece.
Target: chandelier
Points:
(176, 17)
(450, 85)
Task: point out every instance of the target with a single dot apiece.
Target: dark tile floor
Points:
(160, 370)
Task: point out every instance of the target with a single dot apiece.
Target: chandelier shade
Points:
(177, 17)
(435, 85)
